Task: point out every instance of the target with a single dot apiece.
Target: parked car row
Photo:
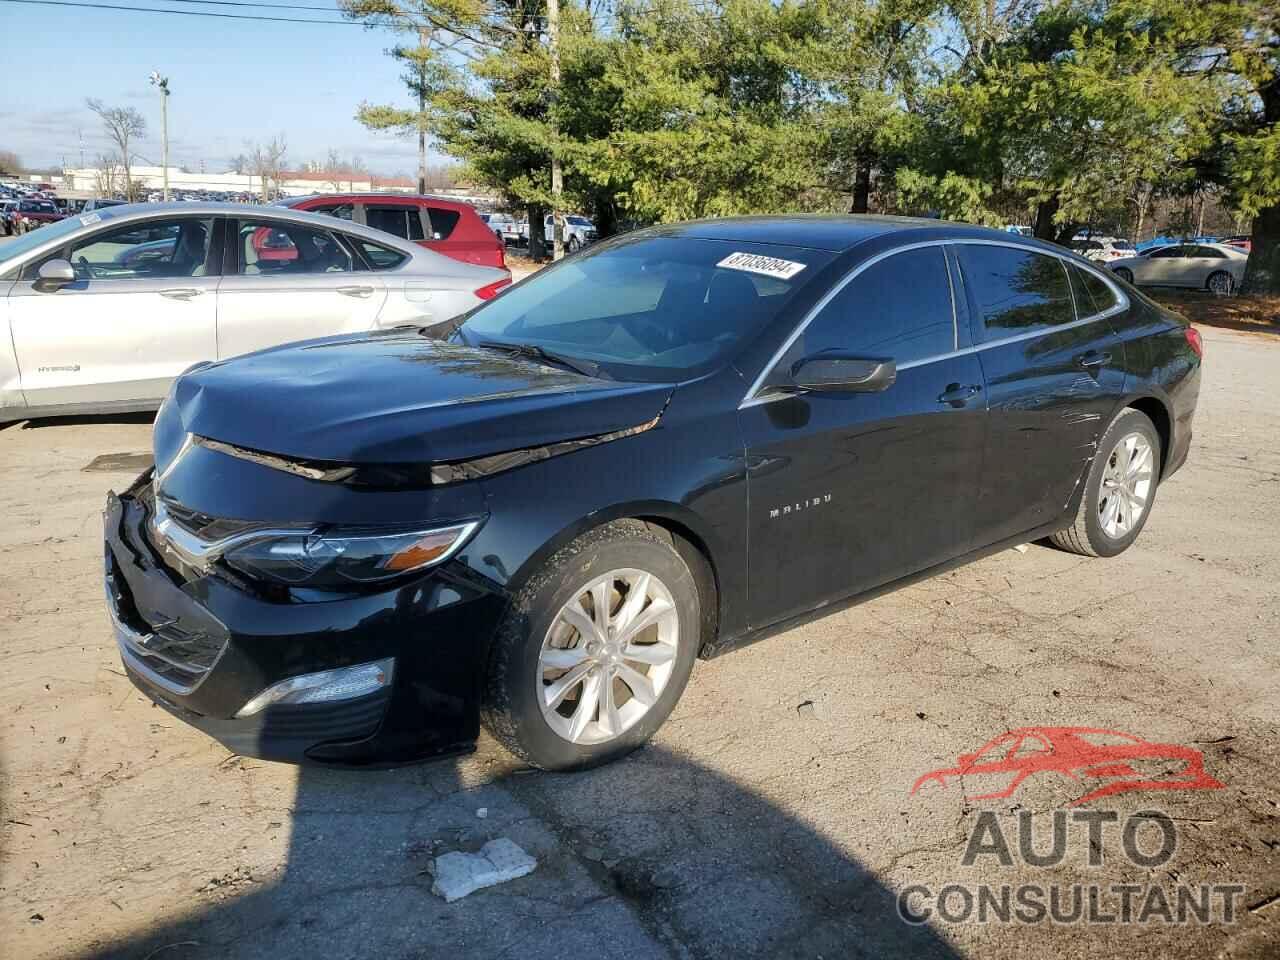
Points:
(103, 310)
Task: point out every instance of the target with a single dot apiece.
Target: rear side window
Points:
(1092, 294)
(442, 222)
(343, 211)
(898, 308)
(266, 247)
(379, 257)
(1015, 291)
(403, 221)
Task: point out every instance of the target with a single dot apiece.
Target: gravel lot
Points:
(771, 816)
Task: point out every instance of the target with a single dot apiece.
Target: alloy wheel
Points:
(1126, 485)
(1220, 283)
(607, 656)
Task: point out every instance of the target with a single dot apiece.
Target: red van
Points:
(446, 226)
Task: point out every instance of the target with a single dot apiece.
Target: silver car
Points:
(1215, 267)
(101, 311)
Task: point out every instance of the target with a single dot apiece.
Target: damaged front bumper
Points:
(205, 646)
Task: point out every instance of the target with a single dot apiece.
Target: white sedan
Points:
(100, 312)
(1216, 267)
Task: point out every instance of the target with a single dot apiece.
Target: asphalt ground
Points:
(771, 816)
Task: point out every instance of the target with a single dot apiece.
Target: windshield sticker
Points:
(89, 218)
(754, 263)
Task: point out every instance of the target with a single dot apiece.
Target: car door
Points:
(288, 281)
(1052, 377)
(404, 220)
(140, 311)
(851, 490)
(1201, 262)
(1162, 267)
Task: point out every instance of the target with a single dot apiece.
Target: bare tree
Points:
(267, 163)
(10, 164)
(123, 126)
(107, 177)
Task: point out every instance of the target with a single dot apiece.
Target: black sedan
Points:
(355, 550)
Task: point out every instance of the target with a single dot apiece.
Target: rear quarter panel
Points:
(1159, 363)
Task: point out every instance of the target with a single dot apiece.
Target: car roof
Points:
(372, 197)
(125, 213)
(830, 233)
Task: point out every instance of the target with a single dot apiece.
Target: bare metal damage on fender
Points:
(391, 475)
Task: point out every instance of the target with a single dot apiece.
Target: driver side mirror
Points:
(837, 374)
(56, 273)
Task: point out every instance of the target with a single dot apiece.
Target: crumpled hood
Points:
(401, 398)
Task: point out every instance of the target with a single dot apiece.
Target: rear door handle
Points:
(956, 393)
(1094, 358)
(181, 293)
(355, 291)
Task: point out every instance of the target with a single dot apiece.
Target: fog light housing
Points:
(345, 683)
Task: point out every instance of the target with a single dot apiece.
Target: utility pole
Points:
(557, 176)
(163, 84)
(424, 39)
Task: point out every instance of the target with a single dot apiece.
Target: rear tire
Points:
(551, 627)
(1119, 490)
(1221, 283)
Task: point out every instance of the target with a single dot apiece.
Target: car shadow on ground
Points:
(77, 421)
(654, 856)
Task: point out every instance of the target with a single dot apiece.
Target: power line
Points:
(268, 6)
(184, 13)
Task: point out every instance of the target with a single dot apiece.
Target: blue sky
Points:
(232, 81)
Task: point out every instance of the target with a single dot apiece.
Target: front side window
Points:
(1167, 253)
(157, 248)
(1015, 291)
(279, 247)
(650, 308)
(899, 308)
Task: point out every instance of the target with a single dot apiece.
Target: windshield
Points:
(650, 308)
(20, 246)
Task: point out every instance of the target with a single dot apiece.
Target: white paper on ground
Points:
(458, 874)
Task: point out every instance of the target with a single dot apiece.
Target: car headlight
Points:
(341, 558)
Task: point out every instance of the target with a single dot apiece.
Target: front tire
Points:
(594, 651)
(1124, 273)
(1119, 489)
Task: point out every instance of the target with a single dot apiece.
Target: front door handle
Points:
(355, 291)
(957, 394)
(1094, 358)
(181, 293)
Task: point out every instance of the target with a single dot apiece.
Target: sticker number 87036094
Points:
(755, 263)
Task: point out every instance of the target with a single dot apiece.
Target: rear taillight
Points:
(1193, 339)
(489, 291)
